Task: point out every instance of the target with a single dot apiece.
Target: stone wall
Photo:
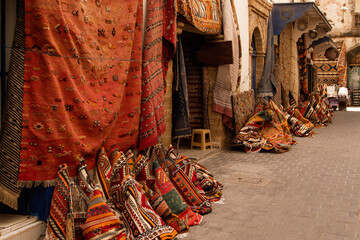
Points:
(259, 11)
(166, 137)
(220, 137)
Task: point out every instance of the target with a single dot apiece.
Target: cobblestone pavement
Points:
(310, 192)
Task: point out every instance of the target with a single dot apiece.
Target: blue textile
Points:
(284, 13)
(32, 201)
(267, 85)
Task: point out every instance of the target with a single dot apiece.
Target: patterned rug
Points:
(243, 105)
(227, 75)
(59, 208)
(10, 136)
(87, 57)
(159, 39)
(205, 15)
(342, 66)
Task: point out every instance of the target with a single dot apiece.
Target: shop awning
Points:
(284, 13)
(322, 44)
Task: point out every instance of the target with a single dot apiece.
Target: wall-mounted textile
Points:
(159, 48)
(228, 74)
(243, 105)
(10, 136)
(342, 67)
(302, 52)
(82, 86)
(205, 15)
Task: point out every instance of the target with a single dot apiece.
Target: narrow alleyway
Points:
(310, 192)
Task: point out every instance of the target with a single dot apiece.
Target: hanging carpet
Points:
(205, 15)
(227, 75)
(342, 67)
(10, 137)
(82, 86)
(159, 48)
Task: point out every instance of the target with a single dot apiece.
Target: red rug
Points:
(82, 86)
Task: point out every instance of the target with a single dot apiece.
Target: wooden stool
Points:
(201, 138)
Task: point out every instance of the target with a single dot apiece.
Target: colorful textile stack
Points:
(202, 179)
(149, 197)
(317, 110)
(101, 222)
(205, 15)
(139, 217)
(268, 130)
(299, 125)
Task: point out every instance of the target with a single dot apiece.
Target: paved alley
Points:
(310, 192)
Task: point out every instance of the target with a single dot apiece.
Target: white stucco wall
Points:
(242, 12)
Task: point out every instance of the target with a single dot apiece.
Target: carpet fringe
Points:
(8, 198)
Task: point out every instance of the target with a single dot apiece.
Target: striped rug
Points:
(11, 123)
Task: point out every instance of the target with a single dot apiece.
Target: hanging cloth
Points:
(267, 85)
(159, 48)
(81, 84)
(205, 15)
(10, 137)
(227, 75)
(181, 123)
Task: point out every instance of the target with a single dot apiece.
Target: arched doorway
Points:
(253, 63)
(257, 59)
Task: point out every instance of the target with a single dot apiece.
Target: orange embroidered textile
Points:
(82, 85)
(205, 15)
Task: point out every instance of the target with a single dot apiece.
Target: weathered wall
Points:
(343, 22)
(166, 137)
(243, 19)
(259, 11)
(219, 135)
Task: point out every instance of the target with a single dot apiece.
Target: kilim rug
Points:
(159, 48)
(10, 137)
(205, 15)
(59, 208)
(82, 83)
(139, 217)
(342, 66)
(227, 75)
